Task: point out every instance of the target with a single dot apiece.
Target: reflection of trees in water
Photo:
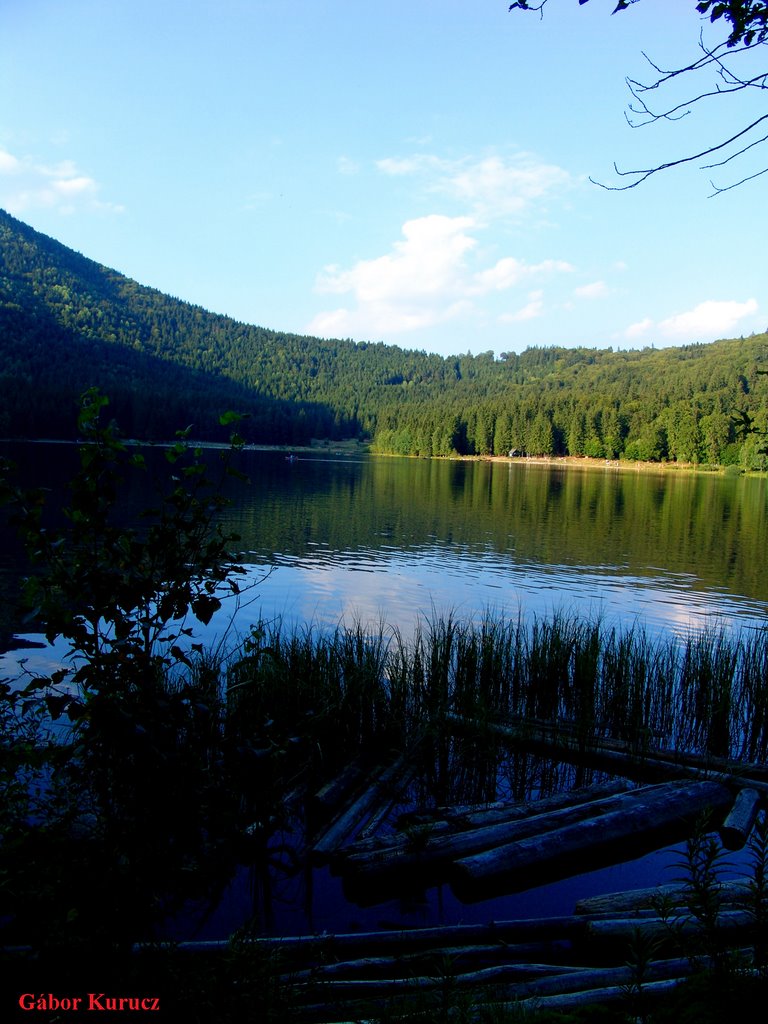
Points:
(704, 526)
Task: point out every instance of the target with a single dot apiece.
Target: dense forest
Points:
(67, 323)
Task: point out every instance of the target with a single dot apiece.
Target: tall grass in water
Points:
(706, 692)
(327, 692)
(750, 699)
(356, 689)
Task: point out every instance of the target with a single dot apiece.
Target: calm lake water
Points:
(389, 540)
(383, 540)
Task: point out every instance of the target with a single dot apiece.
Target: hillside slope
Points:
(67, 323)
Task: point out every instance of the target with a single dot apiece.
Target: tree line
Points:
(68, 323)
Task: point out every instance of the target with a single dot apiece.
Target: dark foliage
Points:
(67, 323)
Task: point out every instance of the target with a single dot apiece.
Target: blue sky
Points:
(414, 172)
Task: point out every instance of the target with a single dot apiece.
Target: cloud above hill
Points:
(491, 187)
(26, 184)
(450, 264)
(705, 322)
(433, 274)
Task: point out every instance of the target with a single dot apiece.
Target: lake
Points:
(389, 541)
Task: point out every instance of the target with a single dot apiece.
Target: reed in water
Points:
(705, 693)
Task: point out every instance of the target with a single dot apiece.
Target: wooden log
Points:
(328, 797)
(580, 987)
(740, 820)
(659, 816)
(523, 931)
(463, 959)
(495, 814)
(427, 848)
(600, 977)
(436, 852)
(335, 988)
(642, 766)
(612, 936)
(633, 901)
(471, 815)
(555, 802)
(708, 762)
(652, 991)
(395, 796)
(352, 816)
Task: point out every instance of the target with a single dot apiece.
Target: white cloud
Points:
(532, 309)
(637, 330)
(8, 163)
(709, 319)
(399, 166)
(495, 187)
(491, 186)
(505, 274)
(346, 166)
(705, 322)
(418, 284)
(26, 184)
(425, 263)
(595, 290)
(509, 272)
(427, 278)
(438, 270)
(74, 186)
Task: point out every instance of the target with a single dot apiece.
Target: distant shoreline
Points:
(584, 462)
(358, 447)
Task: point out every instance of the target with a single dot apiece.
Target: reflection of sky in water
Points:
(397, 588)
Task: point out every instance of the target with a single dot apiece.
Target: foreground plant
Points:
(135, 797)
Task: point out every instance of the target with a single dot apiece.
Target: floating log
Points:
(329, 797)
(517, 931)
(633, 901)
(740, 820)
(612, 935)
(497, 813)
(430, 853)
(652, 991)
(602, 977)
(370, 988)
(506, 812)
(463, 959)
(352, 816)
(659, 816)
(395, 796)
(705, 761)
(566, 746)
(553, 988)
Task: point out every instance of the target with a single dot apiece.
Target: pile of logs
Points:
(554, 962)
(502, 848)
(505, 847)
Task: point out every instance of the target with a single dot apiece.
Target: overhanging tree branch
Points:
(748, 24)
(645, 173)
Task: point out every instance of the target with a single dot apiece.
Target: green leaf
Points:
(204, 606)
(56, 705)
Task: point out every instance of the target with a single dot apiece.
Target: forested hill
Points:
(67, 323)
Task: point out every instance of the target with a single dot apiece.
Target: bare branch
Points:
(677, 112)
(722, 163)
(709, 57)
(718, 191)
(644, 174)
(747, 28)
